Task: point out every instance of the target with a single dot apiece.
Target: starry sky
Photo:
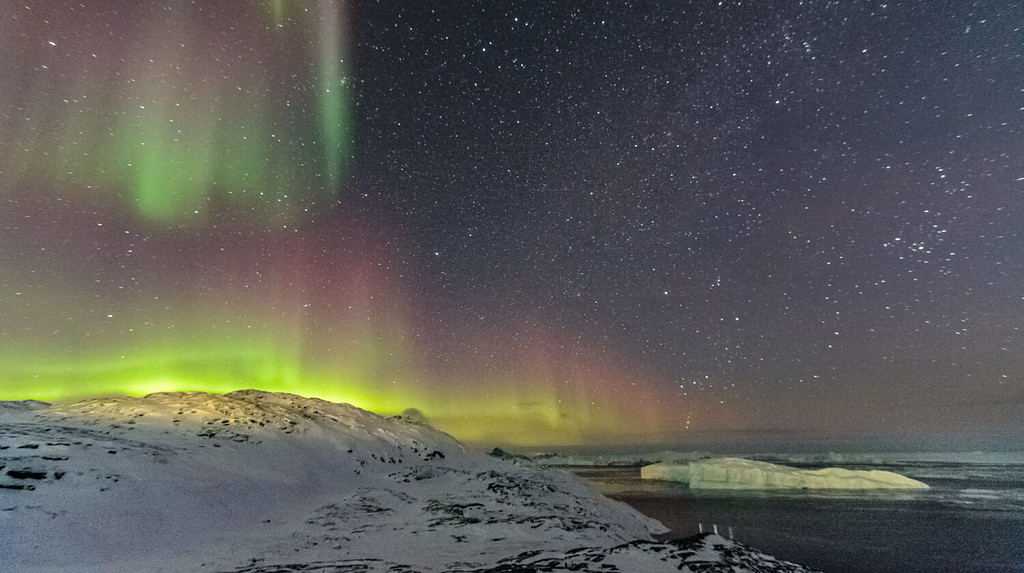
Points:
(533, 222)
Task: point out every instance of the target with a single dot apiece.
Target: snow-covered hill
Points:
(261, 482)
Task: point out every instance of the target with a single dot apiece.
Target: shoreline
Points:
(835, 533)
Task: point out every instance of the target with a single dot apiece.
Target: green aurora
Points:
(191, 129)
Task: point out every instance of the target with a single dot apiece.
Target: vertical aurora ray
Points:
(333, 90)
(276, 9)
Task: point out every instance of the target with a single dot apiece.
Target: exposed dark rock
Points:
(26, 474)
(25, 487)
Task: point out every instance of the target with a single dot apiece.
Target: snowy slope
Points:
(261, 482)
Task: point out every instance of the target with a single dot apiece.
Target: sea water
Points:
(970, 520)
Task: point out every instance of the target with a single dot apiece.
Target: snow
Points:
(667, 472)
(737, 473)
(705, 553)
(257, 482)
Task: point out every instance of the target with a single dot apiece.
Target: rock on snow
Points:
(268, 482)
(736, 473)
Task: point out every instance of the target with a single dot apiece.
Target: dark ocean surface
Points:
(970, 521)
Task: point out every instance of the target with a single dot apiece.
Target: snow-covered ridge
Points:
(736, 473)
(247, 415)
(257, 481)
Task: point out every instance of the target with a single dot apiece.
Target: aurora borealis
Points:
(137, 102)
(532, 223)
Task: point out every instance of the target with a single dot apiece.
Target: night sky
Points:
(534, 222)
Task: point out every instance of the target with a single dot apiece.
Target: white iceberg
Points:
(737, 473)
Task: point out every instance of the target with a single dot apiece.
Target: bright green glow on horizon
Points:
(485, 414)
(179, 370)
(500, 410)
(362, 352)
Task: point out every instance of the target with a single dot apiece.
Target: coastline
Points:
(836, 532)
